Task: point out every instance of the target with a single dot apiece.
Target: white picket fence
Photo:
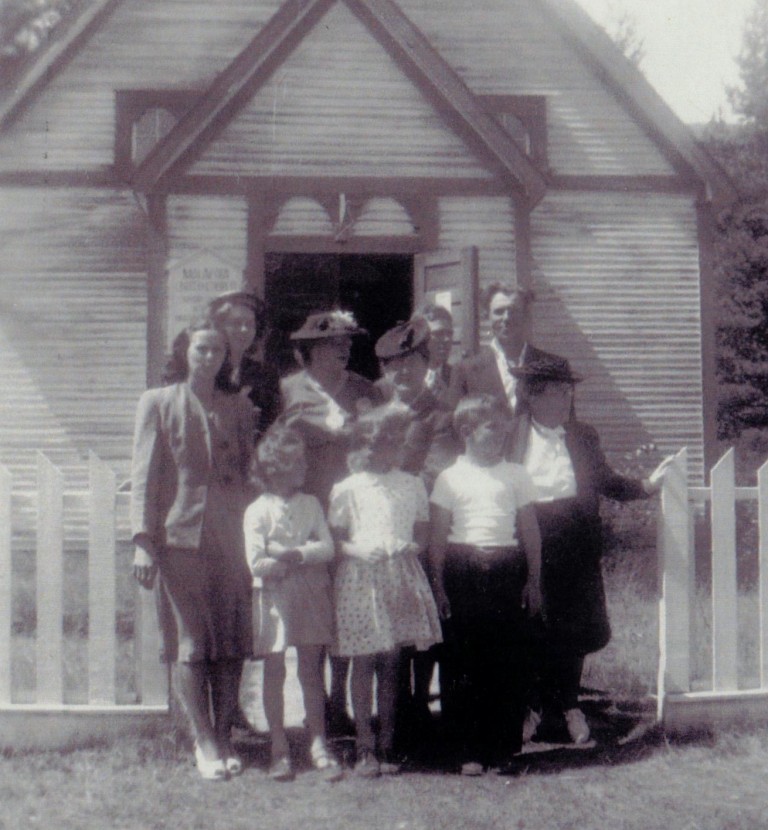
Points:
(49, 721)
(730, 696)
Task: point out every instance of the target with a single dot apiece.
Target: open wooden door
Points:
(450, 279)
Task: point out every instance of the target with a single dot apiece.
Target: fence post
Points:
(724, 594)
(5, 586)
(762, 512)
(675, 602)
(152, 676)
(50, 602)
(101, 582)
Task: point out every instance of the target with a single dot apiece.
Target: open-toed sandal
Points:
(215, 770)
(234, 765)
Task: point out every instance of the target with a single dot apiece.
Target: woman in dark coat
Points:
(241, 317)
(568, 467)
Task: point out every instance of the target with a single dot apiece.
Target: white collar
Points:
(549, 432)
(501, 355)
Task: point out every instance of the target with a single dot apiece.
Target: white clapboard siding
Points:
(511, 47)
(6, 597)
(339, 105)
(617, 281)
(215, 223)
(154, 44)
(503, 47)
(72, 324)
(487, 222)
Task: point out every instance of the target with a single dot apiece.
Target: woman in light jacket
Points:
(192, 446)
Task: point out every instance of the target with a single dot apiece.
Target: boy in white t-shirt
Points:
(485, 561)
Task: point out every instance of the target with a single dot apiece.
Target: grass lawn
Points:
(148, 784)
(630, 778)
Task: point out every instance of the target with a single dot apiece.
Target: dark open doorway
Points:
(377, 288)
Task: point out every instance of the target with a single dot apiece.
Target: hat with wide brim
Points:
(403, 339)
(549, 369)
(325, 324)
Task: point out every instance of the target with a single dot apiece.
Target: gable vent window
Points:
(153, 126)
(524, 117)
(143, 118)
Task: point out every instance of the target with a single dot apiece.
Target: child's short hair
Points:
(277, 453)
(369, 429)
(473, 410)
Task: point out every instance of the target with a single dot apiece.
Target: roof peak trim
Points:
(641, 99)
(410, 48)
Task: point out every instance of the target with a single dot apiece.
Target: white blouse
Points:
(549, 464)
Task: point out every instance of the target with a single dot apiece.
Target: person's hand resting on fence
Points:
(144, 565)
(653, 483)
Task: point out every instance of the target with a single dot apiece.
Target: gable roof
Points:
(405, 43)
(640, 98)
(408, 44)
(66, 39)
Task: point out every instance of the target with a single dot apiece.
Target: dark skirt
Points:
(574, 608)
(204, 595)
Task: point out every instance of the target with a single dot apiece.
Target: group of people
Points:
(442, 513)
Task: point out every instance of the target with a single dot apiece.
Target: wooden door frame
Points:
(263, 210)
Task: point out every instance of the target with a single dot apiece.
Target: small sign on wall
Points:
(193, 281)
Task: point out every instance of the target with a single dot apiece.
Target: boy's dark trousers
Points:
(486, 648)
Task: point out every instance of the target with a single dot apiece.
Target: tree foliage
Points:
(741, 246)
(624, 32)
(25, 26)
(750, 99)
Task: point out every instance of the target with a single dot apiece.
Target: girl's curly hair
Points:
(277, 453)
(388, 421)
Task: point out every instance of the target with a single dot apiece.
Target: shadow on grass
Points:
(623, 733)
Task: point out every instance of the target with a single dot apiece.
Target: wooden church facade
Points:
(362, 151)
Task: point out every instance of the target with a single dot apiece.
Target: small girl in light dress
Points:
(379, 518)
(288, 545)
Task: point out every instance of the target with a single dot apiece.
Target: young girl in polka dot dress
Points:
(379, 518)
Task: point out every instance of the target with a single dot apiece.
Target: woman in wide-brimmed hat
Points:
(322, 401)
(323, 397)
(564, 458)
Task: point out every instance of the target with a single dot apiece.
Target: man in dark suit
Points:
(488, 372)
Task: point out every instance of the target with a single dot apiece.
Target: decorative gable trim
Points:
(466, 115)
(231, 89)
(413, 53)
